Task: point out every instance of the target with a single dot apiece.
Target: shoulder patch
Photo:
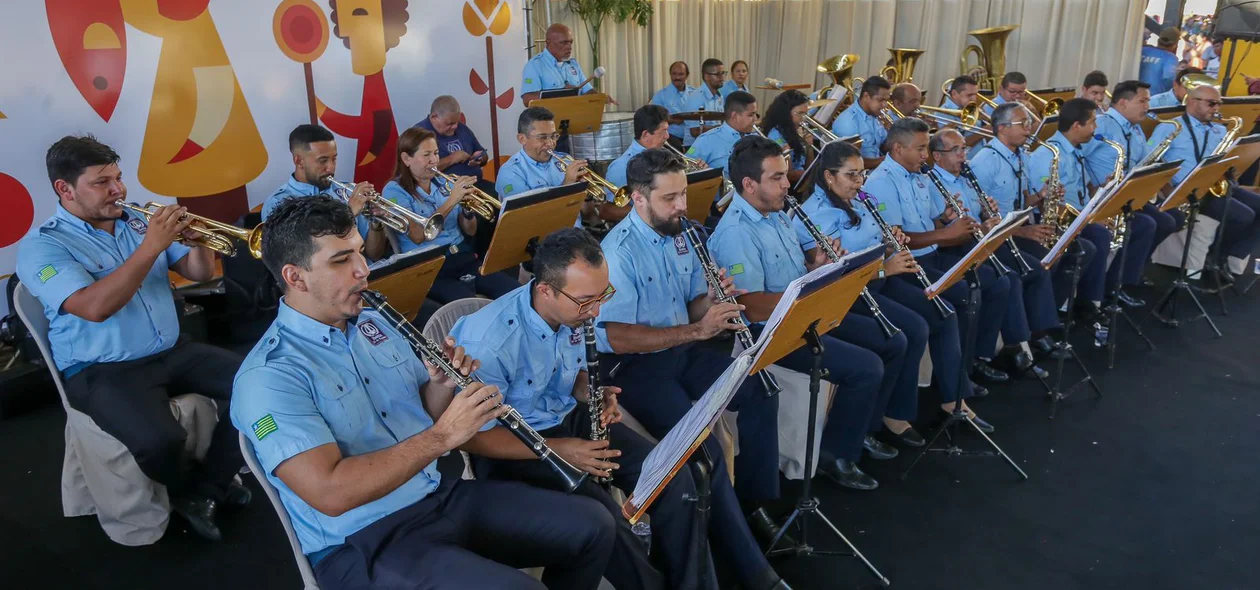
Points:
(507, 190)
(736, 269)
(529, 80)
(264, 426)
(48, 272)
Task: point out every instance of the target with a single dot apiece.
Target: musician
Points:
(1002, 169)
(533, 167)
(707, 97)
(101, 274)
(1199, 137)
(553, 68)
(863, 118)
(340, 413)
(907, 98)
(905, 201)
(460, 152)
(314, 153)
(651, 130)
(1175, 96)
(532, 344)
(653, 329)
(1122, 124)
(738, 81)
(415, 187)
(755, 243)
(831, 208)
(715, 145)
(674, 98)
(1159, 61)
(962, 92)
(783, 126)
(1094, 87)
(1013, 88)
(1027, 328)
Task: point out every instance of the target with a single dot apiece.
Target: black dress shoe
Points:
(1087, 312)
(200, 514)
(1039, 372)
(847, 474)
(1147, 282)
(978, 390)
(878, 449)
(1129, 300)
(908, 437)
(984, 427)
(237, 496)
(764, 528)
(1042, 346)
(981, 371)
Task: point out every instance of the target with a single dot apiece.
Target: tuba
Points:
(596, 184)
(394, 216)
(990, 56)
(902, 67)
(211, 234)
(478, 202)
(840, 68)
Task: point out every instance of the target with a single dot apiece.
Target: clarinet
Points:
(952, 202)
(864, 198)
(714, 281)
(512, 420)
(988, 212)
(823, 242)
(594, 391)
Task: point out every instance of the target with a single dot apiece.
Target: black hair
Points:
(643, 168)
(903, 130)
(1013, 78)
(709, 63)
(305, 134)
(289, 233)
(1094, 78)
(71, 155)
(1127, 89)
(873, 85)
(532, 115)
(738, 102)
(962, 81)
(684, 65)
(748, 157)
(832, 156)
(779, 116)
(560, 249)
(1075, 110)
(647, 118)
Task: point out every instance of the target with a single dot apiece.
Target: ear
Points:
(293, 277)
(520, 138)
(63, 189)
(297, 159)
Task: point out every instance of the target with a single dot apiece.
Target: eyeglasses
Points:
(954, 150)
(547, 137)
(1211, 103)
(718, 74)
(1023, 123)
(853, 175)
(585, 306)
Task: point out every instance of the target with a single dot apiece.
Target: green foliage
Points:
(594, 12)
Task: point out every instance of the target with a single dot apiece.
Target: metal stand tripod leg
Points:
(1113, 309)
(1057, 393)
(1169, 300)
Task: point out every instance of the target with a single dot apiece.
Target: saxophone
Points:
(1157, 153)
(1055, 211)
(1234, 125)
(1116, 225)
(594, 391)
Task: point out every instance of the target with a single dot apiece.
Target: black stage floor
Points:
(1153, 486)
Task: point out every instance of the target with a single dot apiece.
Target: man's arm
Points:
(197, 265)
(759, 306)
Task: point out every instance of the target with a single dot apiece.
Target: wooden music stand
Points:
(978, 254)
(702, 191)
(1209, 171)
(784, 87)
(526, 218)
(575, 114)
(1161, 114)
(406, 279)
(1246, 107)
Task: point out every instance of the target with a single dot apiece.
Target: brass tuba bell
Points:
(902, 67)
(840, 68)
(990, 56)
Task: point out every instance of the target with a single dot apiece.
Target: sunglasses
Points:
(585, 306)
(1210, 103)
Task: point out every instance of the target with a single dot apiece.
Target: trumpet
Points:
(478, 202)
(691, 164)
(211, 234)
(596, 184)
(394, 216)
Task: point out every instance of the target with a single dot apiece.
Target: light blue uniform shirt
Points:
(617, 169)
(67, 254)
(674, 101)
(426, 204)
(856, 121)
(715, 146)
(1101, 158)
(760, 252)
(534, 366)
(296, 188)
(656, 277)
(543, 72)
(1195, 142)
(522, 173)
(903, 199)
(834, 222)
(798, 160)
(703, 99)
(1164, 99)
(306, 384)
(1072, 170)
(1002, 174)
(956, 185)
(997, 99)
(1157, 68)
(730, 86)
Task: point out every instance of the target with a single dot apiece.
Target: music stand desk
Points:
(405, 279)
(583, 113)
(702, 191)
(526, 218)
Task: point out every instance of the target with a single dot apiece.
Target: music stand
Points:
(1127, 196)
(405, 279)
(1246, 149)
(1210, 170)
(581, 113)
(818, 307)
(702, 190)
(966, 269)
(528, 217)
(1245, 107)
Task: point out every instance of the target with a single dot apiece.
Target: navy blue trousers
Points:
(943, 337)
(1038, 292)
(1142, 234)
(995, 302)
(1014, 328)
(460, 278)
(901, 380)
(1061, 272)
(477, 534)
(1166, 224)
(1241, 221)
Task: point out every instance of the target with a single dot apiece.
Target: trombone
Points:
(1049, 108)
(394, 216)
(818, 131)
(596, 184)
(478, 201)
(968, 116)
(211, 234)
(691, 164)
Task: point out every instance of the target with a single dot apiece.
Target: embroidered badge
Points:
(454, 146)
(737, 269)
(680, 244)
(373, 333)
(46, 273)
(137, 225)
(507, 190)
(264, 426)
(529, 80)
(575, 337)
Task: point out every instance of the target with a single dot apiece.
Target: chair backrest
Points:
(440, 324)
(31, 312)
(304, 565)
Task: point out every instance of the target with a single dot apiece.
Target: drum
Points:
(615, 134)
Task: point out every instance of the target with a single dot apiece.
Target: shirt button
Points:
(529, 381)
(367, 381)
(384, 414)
(340, 388)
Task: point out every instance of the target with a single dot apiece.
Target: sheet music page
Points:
(384, 262)
(1009, 220)
(1073, 229)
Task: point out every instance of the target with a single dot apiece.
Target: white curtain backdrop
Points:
(1057, 43)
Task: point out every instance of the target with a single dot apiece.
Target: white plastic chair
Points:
(303, 564)
(99, 475)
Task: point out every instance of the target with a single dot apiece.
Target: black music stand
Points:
(818, 307)
(526, 218)
(1210, 170)
(966, 268)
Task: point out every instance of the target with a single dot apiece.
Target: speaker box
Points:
(1238, 18)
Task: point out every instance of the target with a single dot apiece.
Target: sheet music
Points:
(1010, 220)
(384, 262)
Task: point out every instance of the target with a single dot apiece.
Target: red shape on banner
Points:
(91, 40)
(182, 9)
(505, 100)
(478, 85)
(302, 29)
(18, 209)
(188, 150)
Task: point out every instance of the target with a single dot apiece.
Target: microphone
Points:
(598, 73)
(774, 83)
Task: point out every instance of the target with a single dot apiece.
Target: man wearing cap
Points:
(1159, 62)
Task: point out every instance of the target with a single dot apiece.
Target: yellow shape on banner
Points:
(100, 36)
(491, 15)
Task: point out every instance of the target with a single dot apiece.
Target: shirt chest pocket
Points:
(343, 402)
(390, 359)
(97, 261)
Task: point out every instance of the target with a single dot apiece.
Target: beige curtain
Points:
(1057, 43)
